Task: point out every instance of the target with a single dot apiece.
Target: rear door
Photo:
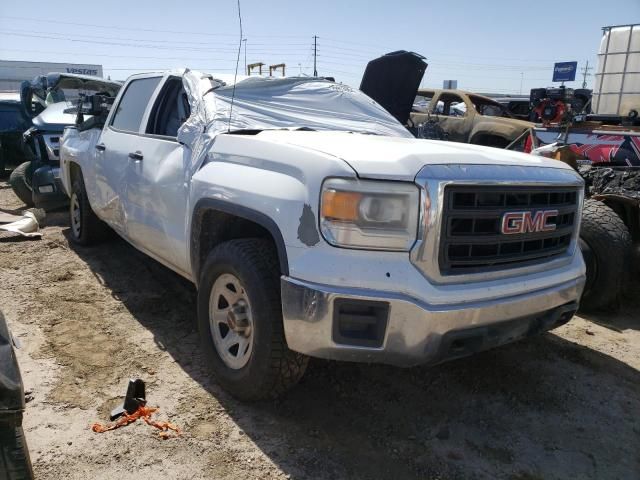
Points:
(119, 139)
(157, 190)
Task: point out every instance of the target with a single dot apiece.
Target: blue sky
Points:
(498, 45)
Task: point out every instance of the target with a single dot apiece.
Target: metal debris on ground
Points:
(135, 397)
(133, 408)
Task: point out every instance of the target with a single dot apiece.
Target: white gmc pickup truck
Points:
(313, 224)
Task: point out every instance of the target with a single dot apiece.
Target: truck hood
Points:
(392, 80)
(395, 158)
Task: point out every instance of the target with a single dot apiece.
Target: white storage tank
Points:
(617, 84)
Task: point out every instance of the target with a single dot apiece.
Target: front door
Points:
(112, 160)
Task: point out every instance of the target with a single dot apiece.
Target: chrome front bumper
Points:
(416, 332)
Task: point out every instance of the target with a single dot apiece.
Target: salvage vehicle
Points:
(15, 463)
(604, 146)
(469, 117)
(13, 122)
(314, 224)
(50, 102)
(453, 115)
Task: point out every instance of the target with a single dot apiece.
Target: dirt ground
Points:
(562, 405)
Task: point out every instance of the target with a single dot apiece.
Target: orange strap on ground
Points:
(143, 413)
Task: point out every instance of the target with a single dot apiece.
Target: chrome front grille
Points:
(472, 240)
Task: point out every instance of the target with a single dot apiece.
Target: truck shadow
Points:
(541, 408)
(624, 316)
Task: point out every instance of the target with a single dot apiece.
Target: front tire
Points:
(240, 321)
(605, 242)
(20, 181)
(86, 227)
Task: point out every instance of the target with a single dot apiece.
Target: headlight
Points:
(369, 214)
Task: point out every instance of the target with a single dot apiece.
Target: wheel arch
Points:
(484, 138)
(215, 221)
(71, 172)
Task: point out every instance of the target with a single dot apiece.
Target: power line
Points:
(138, 29)
(198, 46)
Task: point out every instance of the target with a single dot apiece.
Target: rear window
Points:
(134, 102)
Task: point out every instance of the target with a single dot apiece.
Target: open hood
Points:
(33, 94)
(393, 80)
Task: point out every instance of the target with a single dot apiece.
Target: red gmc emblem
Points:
(528, 222)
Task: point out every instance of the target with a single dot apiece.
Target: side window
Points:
(451, 105)
(133, 104)
(422, 102)
(170, 111)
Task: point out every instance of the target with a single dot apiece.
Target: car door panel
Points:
(118, 140)
(156, 200)
(111, 171)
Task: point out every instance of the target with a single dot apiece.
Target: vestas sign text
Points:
(82, 71)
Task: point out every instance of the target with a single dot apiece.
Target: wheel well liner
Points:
(231, 222)
(74, 170)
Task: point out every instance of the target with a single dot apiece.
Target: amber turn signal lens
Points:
(340, 205)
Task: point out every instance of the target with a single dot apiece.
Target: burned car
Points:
(468, 117)
(51, 101)
(393, 81)
(15, 463)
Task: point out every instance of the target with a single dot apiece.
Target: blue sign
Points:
(564, 71)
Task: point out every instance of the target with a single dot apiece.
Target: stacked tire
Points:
(606, 243)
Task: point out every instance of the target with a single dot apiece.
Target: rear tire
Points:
(606, 246)
(269, 368)
(14, 454)
(20, 181)
(86, 227)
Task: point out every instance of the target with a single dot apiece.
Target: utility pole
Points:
(245, 53)
(521, 79)
(315, 54)
(585, 74)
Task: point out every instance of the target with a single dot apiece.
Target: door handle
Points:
(101, 147)
(137, 156)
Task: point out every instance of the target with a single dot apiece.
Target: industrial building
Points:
(13, 72)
